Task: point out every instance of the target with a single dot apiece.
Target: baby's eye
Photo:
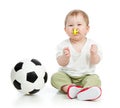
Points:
(79, 24)
(70, 25)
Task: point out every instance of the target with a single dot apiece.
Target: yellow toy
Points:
(75, 31)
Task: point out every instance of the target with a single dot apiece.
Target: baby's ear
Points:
(88, 28)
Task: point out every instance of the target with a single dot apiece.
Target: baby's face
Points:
(76, 23)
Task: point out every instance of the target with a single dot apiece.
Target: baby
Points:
(77, 57)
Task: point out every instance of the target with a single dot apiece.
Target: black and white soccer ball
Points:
(29, 76)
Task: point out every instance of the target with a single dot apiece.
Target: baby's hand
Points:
(93, 49)
(66, 52)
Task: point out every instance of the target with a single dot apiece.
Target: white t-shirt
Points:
(79, 63)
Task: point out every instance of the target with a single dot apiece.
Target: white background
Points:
(33, 28)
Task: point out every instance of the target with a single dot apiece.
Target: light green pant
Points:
(60, 79)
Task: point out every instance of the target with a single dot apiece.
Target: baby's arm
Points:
(94, 57)
(63, 60)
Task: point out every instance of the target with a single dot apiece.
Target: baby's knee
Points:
(55, 76)
(91, 80)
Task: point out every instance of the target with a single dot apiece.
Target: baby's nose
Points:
(75, 31)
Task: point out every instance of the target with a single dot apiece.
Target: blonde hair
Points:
(75, 13)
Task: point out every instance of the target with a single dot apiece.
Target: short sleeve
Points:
(61, 46)
(59, 50)
(100, 51)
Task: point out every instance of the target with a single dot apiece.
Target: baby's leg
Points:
(61, 81)
(91, 88)
(91, 80)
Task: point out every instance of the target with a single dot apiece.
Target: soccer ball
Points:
(29, 76)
